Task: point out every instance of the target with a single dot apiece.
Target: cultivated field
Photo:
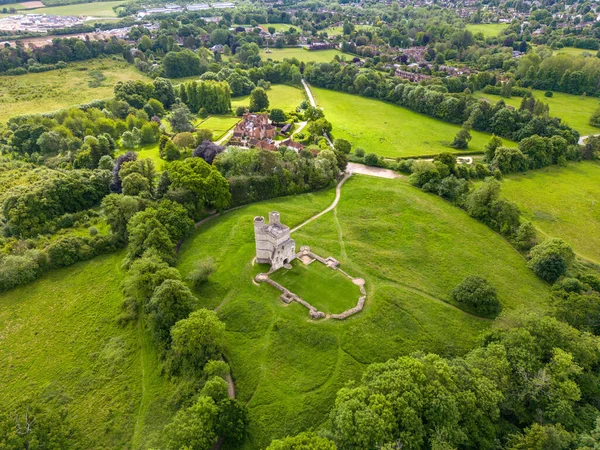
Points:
(488, 29)
(280, 96)
(411, 248)
(279, 54)
(60, 341)
(57, 89)
(389, 130)
(562, 202)
(574, 110)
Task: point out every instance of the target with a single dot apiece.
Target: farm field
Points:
(57, 89)
(61, 343)
(94, 9)
(488, 29)
(575, 110)
(561, 202)
(411, 248)
(279, 54)
(280, 96)
(389, 130)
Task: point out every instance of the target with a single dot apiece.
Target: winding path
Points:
(581, 141)
(311, 99)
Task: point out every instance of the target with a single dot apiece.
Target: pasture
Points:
(412, 249)
(60, 342)
(489, 30)
(301, 54)
(389, 130)
(280, 96)
(561, 202)
(57, 89)
(575, 110)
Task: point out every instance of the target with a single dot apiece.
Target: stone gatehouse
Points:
(273, 243)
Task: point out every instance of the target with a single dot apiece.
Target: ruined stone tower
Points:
(273, 243)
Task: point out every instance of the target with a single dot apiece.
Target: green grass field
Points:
(412, 249)
(60, 342)
(279, 54)
(389, 130)
(281, 27)
(57, 89)
(562, 202)
(219, 125)
(337, 31)
(326, 289)
(280, 96)
(573, 51)
(488, 29)
(575, 110)
(94, 9)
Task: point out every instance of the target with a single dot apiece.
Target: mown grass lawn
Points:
(326, 289)
(337, 31)
(561, 202)
(281, 27)
(219, 125)
(57, 89)
(279, 54)
(389, 130)
(488, 29)
(575, 110)
(60, 343)
(412, 249)
(280, 96)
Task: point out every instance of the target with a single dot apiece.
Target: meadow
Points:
(49, 91)
(279, 54)
(412, 248)
(488, 29)
(561, 202)
(94, 9)
(389, 130)
(575, 110)
(60, 343)
(280, 96)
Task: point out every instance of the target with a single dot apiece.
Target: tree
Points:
(198, 338)
(259, 100)
(171, 302)
(172, 153)
(277, 115)
(477, 294)
(343, 146)
(163, 92)
(204, 269)
(462, 138)
(50, 142)
(207, 150)
(490, 148)
(181, 118)
(595, 118)
(541, 437)
(240, 84)
(203, 135)
(193, 428)
(371, 159)
(347, 28)
(149, 133)
(181, 64)
(219, 36)
(128, 140)
(551, 259)
(320, 127)
(184, 140)
(303, 441)
(509, 160)
(135, 184)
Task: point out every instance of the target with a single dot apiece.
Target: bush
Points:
(551, 259)
(359, 151)
(548, 94)
(476, 294)
(93, 231)
(240, 110)
(371, 159)
(200, 274)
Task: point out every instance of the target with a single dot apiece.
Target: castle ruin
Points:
(273, 243)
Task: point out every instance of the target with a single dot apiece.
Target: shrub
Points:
(371, 159)
(548, 94)
(93, 231)
(551, 259)
(240, 110)
(359, 151)
(200, 274)
(476, 294)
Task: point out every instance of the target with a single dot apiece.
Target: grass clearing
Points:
(338, 31)
(575, 110)
(57, 89)
(301, 54)
(280, 96)
(561, 202)
(390, 130)
(412, 249)
(219, 125)
(488, 29)
(326, 289)
(281, 27)
(59, 341)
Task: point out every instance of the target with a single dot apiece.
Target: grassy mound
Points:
(411, 248)
(60, 343)
(389, 130)
(562, 202)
